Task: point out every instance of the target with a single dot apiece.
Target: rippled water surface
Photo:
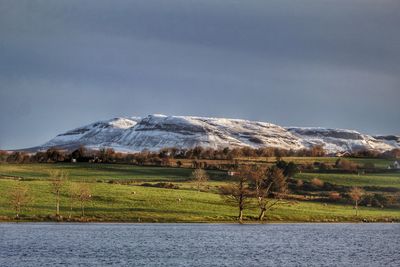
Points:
(37, 244)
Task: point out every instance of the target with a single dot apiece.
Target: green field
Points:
(132, 202)
(379, 163)
(102, 172)
(380, 180)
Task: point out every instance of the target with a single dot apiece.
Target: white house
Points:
(395, 165)
(343, 154)
(232, 173)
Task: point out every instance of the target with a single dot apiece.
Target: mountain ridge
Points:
(157, 131)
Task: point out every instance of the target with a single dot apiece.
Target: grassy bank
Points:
(133, 202)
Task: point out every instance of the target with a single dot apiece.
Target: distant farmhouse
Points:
(343, 154)
(394, 166)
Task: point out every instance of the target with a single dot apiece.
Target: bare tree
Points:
(270, 189)
(57, 182)
(72, 189)
(356, 195)
(256, 175)
(200, 177)
(238, 193)
(81, 192)
(19, 197)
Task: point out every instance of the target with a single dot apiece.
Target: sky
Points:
(64, 64)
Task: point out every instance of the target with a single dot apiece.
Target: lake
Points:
(43, 244)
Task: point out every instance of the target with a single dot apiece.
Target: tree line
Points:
(164, 156)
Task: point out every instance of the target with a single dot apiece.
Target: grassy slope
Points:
(379, 163)
(114, 202)
(382, 180)
(94, 172)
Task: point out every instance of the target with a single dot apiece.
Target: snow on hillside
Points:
(159, 131)
(102, 132)
(335, 140)
(391, 140)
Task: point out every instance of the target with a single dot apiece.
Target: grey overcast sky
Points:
(64, 64)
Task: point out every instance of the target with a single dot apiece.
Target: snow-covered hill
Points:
(159, 131)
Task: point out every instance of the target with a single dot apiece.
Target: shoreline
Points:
(190, 223)
(195, 222)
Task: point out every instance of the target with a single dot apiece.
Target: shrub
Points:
(376, 200)
(346, 165)
(307, 166)
(299, 183)
(161, 185)
(325, 167)
(393, 200)
(335, 196)
(369, 165)
(317, 182)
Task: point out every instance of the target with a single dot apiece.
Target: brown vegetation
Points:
(200, 177)
(317, 182)
(238, 193)
(57, 181)
(356, 195)
(82, 194)
(272, 192)
(346, 165)
(19, 198)
(334, 196)
(267, 185)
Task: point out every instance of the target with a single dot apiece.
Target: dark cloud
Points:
(304, 63)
